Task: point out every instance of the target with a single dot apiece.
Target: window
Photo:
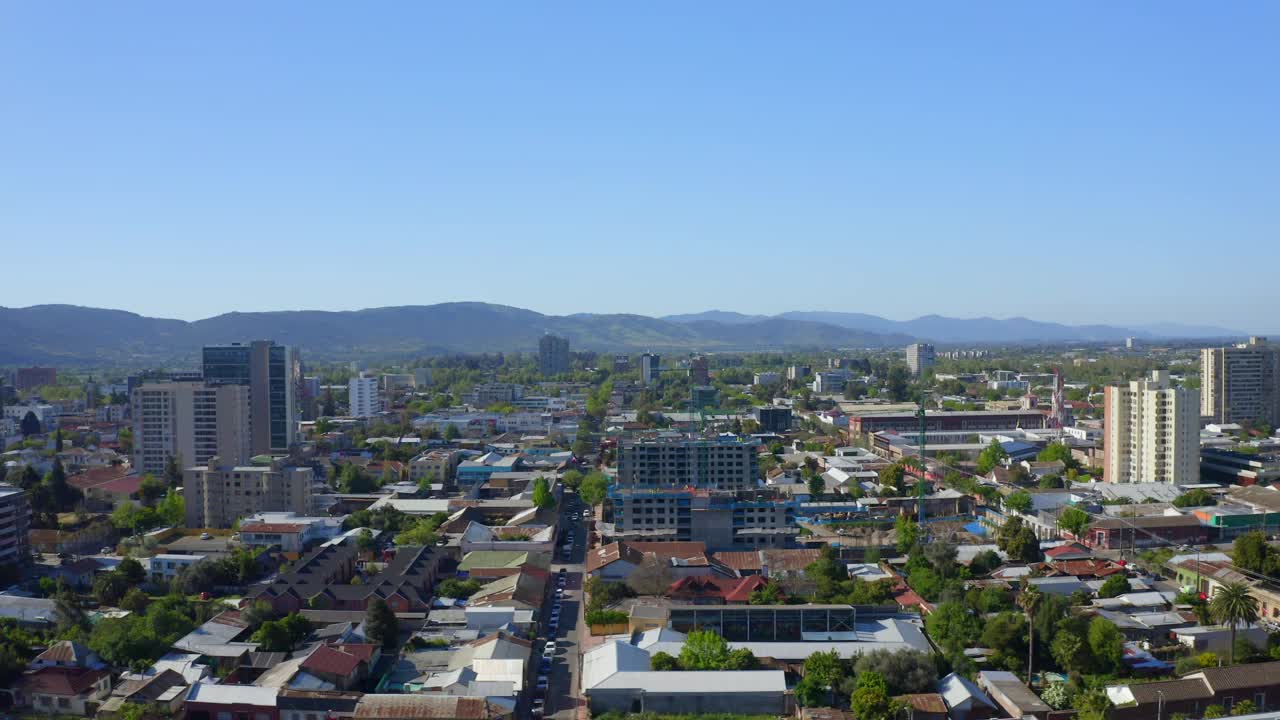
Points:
(64, 702)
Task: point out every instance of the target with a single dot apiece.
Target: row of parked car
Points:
(549, 649)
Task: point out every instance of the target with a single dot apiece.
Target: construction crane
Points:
(924, 468)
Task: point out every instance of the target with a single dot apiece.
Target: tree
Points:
(109, 587)
(422, 532)
(135, 600)
(942, 554)
(770, 593)
(542, 497)
(1251, 551)
(30, 424)
(594, 488)
(952, 626)
(173, 470)
(380, 623)
(663, 661)
(906, 533)
(451, 432)
(1114, 586)
(458, 589)
(990, 457)
(67, 613)
(740, 659)
(173, 508)
(984, 562)
(704, 650)
(364, 541)
(1059, 451)
(272, 637)
(870, 701)
(1074, 520)
(1194, 498)
(1051, 482)
(1018, 502)
(1018, 541)
(1070, 651)
(354, 480)
(1057, 695)
(150, 490)
(1215, 711)
(57, 440)
(1005, 633)
(817, 487)
(571, 479)
(1106, 644)
(1244, 706)
(1232, 605)
(132, 571)
(904, 671)
(1029, 600)
(651, 577)
(1093, 705)
(898, 382)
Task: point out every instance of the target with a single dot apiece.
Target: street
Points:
(562, 695)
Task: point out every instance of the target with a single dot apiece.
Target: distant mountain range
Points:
(937, 328)
(67, 334)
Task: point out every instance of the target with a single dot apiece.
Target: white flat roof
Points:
(232, 694)
(696, 682)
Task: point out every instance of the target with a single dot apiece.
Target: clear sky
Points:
(1079, 162)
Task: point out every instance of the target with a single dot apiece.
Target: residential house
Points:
(316, 704)
(491, 565)
(63, 690)
(215, 701)
(710, 590)
(525, 590)
(964, 699)
(1012, 695)
(165, 691)
(1141, 532)
(345, 667)
(1190, 694)
(924, 706)
(68, 654)
(429, 707)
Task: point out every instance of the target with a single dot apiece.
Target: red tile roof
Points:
(1086, 568)
(61, 681)
(1068, 550)
(332, 661)
(732, 590)
(97, 476)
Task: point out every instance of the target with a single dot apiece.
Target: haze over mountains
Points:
(66, 334)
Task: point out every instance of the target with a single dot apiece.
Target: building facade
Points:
(1152, 432)
(553, 355)
(650, 369)
(728, 463)
(273, 375)
(363, 397)
(30, 378)
(699, 370)
(192, 421)
(219, 494)
(15, 520)
(719, 519)
(920, 357)
(1241, 383)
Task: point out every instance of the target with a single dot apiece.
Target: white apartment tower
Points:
(920, 357)
(362, 396)
(1152, 432)
(650, 369)
(1241, 383)
(193, 421)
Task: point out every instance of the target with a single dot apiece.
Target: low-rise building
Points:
(63, 691)
(288, 531)
(15, 520)
(436, 466)
(217, 495)
(1191, 694)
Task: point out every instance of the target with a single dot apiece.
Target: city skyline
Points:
(1087, 162)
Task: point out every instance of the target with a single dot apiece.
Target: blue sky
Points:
(1080, 162)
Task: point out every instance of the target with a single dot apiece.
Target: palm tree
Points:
(1029, 600)
(1231, 605)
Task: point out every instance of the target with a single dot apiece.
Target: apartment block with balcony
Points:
(723, 520)
(1241, 383)
(1152, 432)
(192, 421)
(729, 463)
(217, 495)
(15, 519)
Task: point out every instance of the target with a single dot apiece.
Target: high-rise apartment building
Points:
(728, 463)
(1152, 432)
(273, 374)
(650, 369)
(193, 421)
(553, 355)
(621, 363)
(362, 396)
(15, 519)
(920, 357)
(30, 378)
(699, 371)
(219, 493)
(1241, 382)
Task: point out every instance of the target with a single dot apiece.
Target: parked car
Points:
(544, 682)
(538, 708)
